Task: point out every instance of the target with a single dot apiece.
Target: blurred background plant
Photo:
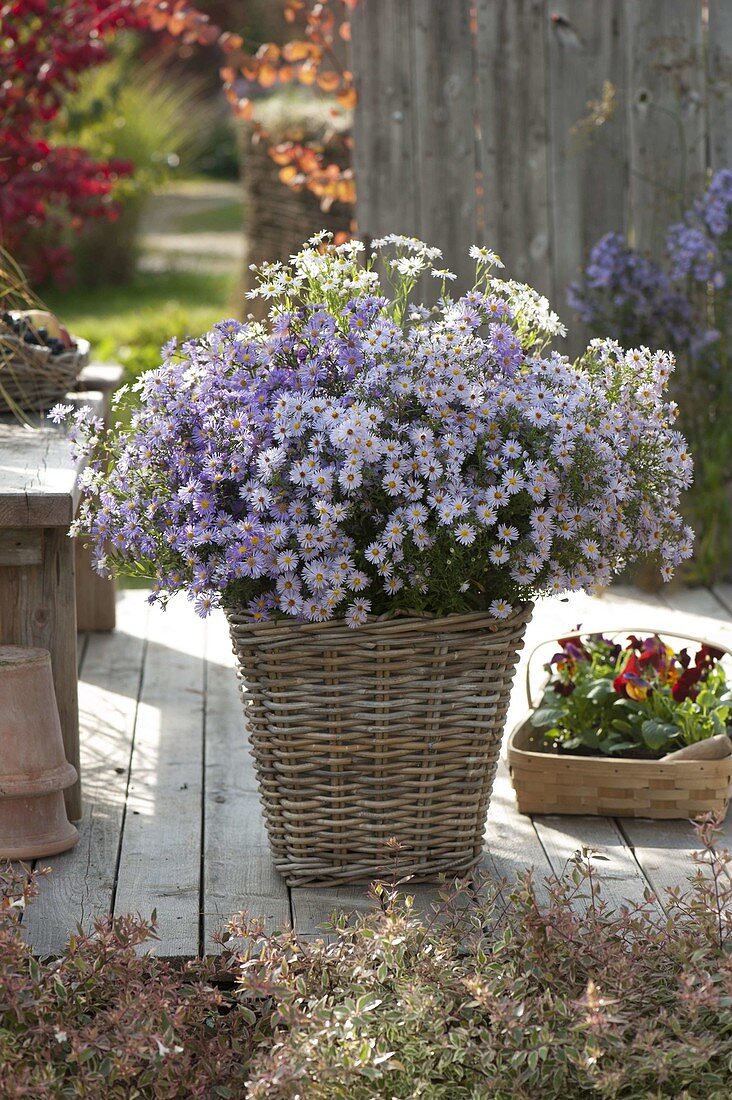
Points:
(47, 187)
(49, 44)
(681, 300)
(129, 323)
(284, 216)
(15, 292)
(311, 51)
(144, 113)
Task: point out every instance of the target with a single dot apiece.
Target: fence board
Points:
(665, 105)
(719, 88)
(466, 112)
(445, 131)
(512, 111)
(587, 146)
(415, 141)
(385, 158)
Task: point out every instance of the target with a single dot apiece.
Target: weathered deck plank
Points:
(622, 880)
(511, 844)
(80, 887)
(703, 610)
(160, 864)
(238, 873)
(723, 593)
(313, 906)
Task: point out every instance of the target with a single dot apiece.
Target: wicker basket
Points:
(33, 380)
(390, 730)
(549, 783)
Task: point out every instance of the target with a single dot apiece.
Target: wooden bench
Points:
(47, 584)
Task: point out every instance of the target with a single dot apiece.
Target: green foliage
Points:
(709, 509)
(604, 699)
(220, 157)
(142, 112)
(129, 324)
(226, 218)
(491, 995)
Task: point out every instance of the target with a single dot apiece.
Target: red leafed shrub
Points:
(45, 188)
(45, 45)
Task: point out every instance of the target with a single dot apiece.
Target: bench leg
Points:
(95, 595)
(38, 608)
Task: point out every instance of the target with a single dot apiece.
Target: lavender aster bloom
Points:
(59, 413)
(682, 304)
(355, 456)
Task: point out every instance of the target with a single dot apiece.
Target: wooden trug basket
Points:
(389, 730)
(549, 783)
(31, 379)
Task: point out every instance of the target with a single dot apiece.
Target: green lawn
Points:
(129, 324)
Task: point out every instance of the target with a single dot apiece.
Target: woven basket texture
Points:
(389, 730)
(33, 380)
(546, 783)
(285, 217)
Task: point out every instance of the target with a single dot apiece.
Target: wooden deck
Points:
(171, 814)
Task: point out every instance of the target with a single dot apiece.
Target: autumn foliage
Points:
(47, 187)
(49, 190)
(310, 59)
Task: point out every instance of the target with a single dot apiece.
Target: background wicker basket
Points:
(285, 216)
(390, 730)
(549, 783)
(33, 380)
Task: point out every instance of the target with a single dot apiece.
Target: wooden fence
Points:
(535, 126)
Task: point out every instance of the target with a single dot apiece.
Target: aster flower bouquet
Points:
(376, 491)
(360, 456)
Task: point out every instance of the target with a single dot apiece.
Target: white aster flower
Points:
(485, 256)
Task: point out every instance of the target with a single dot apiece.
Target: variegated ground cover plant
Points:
(497, 993)
(360, 454)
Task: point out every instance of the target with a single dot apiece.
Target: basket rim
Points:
(517, 754)
(82, 346)
(401, 620)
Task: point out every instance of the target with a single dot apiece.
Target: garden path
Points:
(194, 225)
(171, 815)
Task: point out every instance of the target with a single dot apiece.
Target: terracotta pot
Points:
(33, 768)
